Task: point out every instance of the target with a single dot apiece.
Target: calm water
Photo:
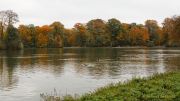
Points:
(25, 74)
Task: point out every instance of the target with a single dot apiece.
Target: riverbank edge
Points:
(164, 87)
(97, 47)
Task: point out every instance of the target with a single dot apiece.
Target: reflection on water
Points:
(25, 74)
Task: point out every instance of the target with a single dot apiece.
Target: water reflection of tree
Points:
(47, 60)
(172, 63)
(9, 64)
(103, 62)
(97, 62)
(43, 59)
(54, 58)
(27, 62)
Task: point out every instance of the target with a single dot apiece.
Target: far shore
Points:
(155, 47)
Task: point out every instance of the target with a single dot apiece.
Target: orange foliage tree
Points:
(138, 35)
(42, 36)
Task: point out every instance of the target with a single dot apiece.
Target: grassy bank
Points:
(160, 87)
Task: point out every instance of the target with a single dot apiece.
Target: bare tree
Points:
(7, 17)
(2, 22)
(12, 17)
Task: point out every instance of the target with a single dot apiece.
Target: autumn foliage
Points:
(100, 33)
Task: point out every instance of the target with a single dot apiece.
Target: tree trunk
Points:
(1, 31)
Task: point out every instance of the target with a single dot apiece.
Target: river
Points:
(27, 73)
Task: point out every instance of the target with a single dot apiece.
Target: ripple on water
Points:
(24, 76)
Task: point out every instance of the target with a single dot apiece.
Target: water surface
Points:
(27, 73)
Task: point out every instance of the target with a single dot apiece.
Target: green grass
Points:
(160, 87)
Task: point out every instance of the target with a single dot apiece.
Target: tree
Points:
(153, 28)
(122, 37)
(161, 37)
(7, 18)
(12, 38)
(72, 39)
(176, 30)
(81, 34)
(115, 28)
(138, 35)
(171, 28)
(42, 36)
(33, 35)
(167, 29)
(56, 37)
(101, 36)
(27, 34)
(2, 23)
(12, 17)
(66, 37)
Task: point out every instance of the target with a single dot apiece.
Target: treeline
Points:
(100, 33)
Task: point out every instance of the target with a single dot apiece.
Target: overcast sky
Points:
(69, 12)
